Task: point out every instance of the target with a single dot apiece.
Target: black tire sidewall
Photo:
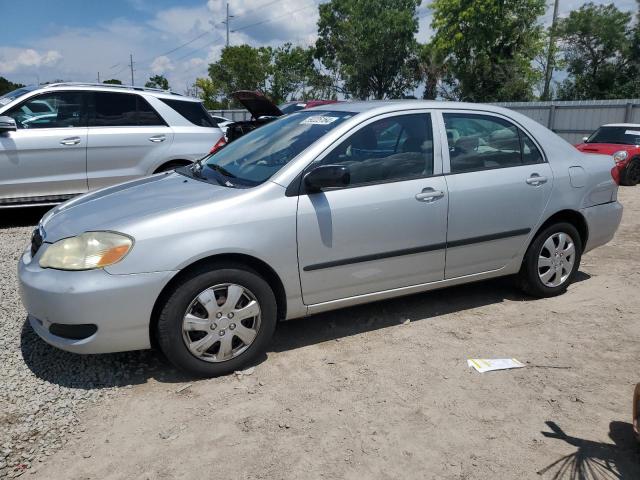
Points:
(529, 273)
(169, 327)
(625, 178)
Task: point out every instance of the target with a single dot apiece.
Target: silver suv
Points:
(63, 139)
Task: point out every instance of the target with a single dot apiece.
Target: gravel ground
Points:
(357, 393)
(43, 391)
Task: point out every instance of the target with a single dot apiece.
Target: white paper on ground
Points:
(488, 364)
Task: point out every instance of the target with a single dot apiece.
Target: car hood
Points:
(605, 148)
(120, 207)
(257, 104)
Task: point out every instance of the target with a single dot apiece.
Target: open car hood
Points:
(257, 104)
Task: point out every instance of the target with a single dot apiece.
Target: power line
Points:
(274, 18)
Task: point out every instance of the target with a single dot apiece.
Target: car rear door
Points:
(44, 160)
(387, 229)
(499, 185)
(127, 137)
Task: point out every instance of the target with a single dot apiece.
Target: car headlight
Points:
(620, 156)
(87, 251)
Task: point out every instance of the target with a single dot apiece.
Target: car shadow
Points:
(596, 460)
(418, 307)
(133, 368)
(21, 217)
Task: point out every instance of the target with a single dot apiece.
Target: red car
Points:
(294, 106)
(622, 140)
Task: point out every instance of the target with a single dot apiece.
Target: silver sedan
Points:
(324, 208)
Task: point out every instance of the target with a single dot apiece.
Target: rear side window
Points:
(192, 111)
(122, 110)
(482, 142)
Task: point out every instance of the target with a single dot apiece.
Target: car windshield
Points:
(621, 135)
(256, 156)
(291, 107)
(11, 96)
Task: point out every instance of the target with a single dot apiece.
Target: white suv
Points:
(63, 139)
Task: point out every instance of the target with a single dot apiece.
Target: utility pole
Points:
(131, 65)
(98, 77)
(546, 93)
(226, 22)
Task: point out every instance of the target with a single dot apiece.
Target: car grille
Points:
(36, 241)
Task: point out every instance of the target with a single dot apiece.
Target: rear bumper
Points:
(602, 222)
(119, 306)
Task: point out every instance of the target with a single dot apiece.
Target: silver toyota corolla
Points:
(322, 209)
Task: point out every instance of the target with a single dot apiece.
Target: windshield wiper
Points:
(221, 170)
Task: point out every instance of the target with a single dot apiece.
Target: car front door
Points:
(45, 159)
(499, 185)
(126, 138)
(387, 228)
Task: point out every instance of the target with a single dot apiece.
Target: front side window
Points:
(256, 156)
(391, 149)
(51, 110)
(481, 142)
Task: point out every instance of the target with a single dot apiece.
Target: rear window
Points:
(192, 111)
(122, 110)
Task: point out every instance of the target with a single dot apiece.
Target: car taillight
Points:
(219, 144)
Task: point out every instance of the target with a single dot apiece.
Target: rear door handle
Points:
(70, 141)
(429, 195)
(157, 138)
(536, 180)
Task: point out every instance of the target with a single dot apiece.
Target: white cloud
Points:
(13, 59)
(162, 65)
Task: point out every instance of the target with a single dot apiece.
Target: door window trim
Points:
(296, 187)
(446, 158)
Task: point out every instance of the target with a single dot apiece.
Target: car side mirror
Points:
(327, 176)
(7, 124)
(584, 139)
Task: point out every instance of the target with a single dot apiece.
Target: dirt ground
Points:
(362, 394)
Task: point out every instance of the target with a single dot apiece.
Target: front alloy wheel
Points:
(216, 319)
(221, 322)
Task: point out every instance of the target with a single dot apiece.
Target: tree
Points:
(490, 47)
(113, 81)
(431, 69)
(369, 45)
(290, 72)
(207, 91)
(596, 46)
(6, 86)
(158, 81)
(240, 67)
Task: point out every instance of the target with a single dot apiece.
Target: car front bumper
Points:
(120, 306)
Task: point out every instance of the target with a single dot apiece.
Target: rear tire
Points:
(218, 319)
(169, 166)
(552, 261)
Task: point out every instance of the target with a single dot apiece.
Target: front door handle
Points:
(70, 141)
(157, 138)
(429, 195)
(536, 180)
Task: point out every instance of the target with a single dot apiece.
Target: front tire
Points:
(217, 320)
(631, 174)
(552, 261)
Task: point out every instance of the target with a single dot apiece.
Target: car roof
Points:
(634, 125)
(106, 87)
(393, 105)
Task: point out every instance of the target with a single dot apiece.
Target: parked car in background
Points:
(622, 141)
(290, 107)
(263, 111)
(317, 210)
(64, 139)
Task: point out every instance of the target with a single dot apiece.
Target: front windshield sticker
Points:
(318, 120)
(632, 132)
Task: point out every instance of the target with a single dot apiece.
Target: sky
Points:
(77, 40)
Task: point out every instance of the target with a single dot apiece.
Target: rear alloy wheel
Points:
(217, 320)
(552, 261)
